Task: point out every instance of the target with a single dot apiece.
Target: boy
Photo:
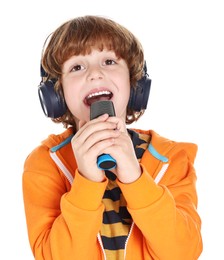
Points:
(145, 207)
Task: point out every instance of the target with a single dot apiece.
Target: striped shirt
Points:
(116, 218)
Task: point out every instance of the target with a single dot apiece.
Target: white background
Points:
(184, 49)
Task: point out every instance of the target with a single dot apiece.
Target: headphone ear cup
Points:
(140, 94)
(52, 103)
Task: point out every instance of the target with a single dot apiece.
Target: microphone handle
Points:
(98, 108)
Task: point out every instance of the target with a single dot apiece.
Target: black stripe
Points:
(139, 152)
(114, 243)
(123, 212)
(112, 217)
(136, 140)
(113, 194)
(110, 175)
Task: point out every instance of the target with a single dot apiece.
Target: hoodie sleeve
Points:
(62, 223)
(166, 212)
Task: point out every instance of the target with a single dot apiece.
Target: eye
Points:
(109, 62)
(77, 68)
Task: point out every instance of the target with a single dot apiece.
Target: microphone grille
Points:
(99, 108)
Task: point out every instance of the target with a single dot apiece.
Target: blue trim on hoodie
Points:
(158, 156)
(57, 147)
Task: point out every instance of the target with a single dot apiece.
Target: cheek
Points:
(68, 99)
(122, 101)
(71, 96)
(126, 89)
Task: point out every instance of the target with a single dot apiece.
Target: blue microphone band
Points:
(106, 162)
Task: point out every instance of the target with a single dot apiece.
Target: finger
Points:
(101, 136)
(120, 124)
(92, 132)
(82, 126)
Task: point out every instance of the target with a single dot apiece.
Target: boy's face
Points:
(99, 75)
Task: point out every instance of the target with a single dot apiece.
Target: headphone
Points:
(53, 103)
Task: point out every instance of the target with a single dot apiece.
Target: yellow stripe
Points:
(115, 254)
(114, 230)
(145, 137)
(143, 146)
(114, 205)
(111, 185)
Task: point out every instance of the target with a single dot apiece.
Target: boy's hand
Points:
(90, 141)
(128, 169)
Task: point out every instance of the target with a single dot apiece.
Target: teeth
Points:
(100, 93)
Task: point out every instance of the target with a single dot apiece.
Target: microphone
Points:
(98, 108)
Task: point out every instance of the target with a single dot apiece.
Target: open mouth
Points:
(98, 96)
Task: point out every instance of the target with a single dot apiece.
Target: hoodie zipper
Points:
(125, 246)
(101, 245)
(62, 167)
(126, 242)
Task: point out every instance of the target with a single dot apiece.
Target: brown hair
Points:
(79, 36)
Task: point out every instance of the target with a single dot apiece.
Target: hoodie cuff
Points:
(86, 194)
(141, 193)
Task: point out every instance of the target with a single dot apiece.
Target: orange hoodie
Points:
(64, 210)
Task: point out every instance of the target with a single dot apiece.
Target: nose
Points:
(95, 73)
